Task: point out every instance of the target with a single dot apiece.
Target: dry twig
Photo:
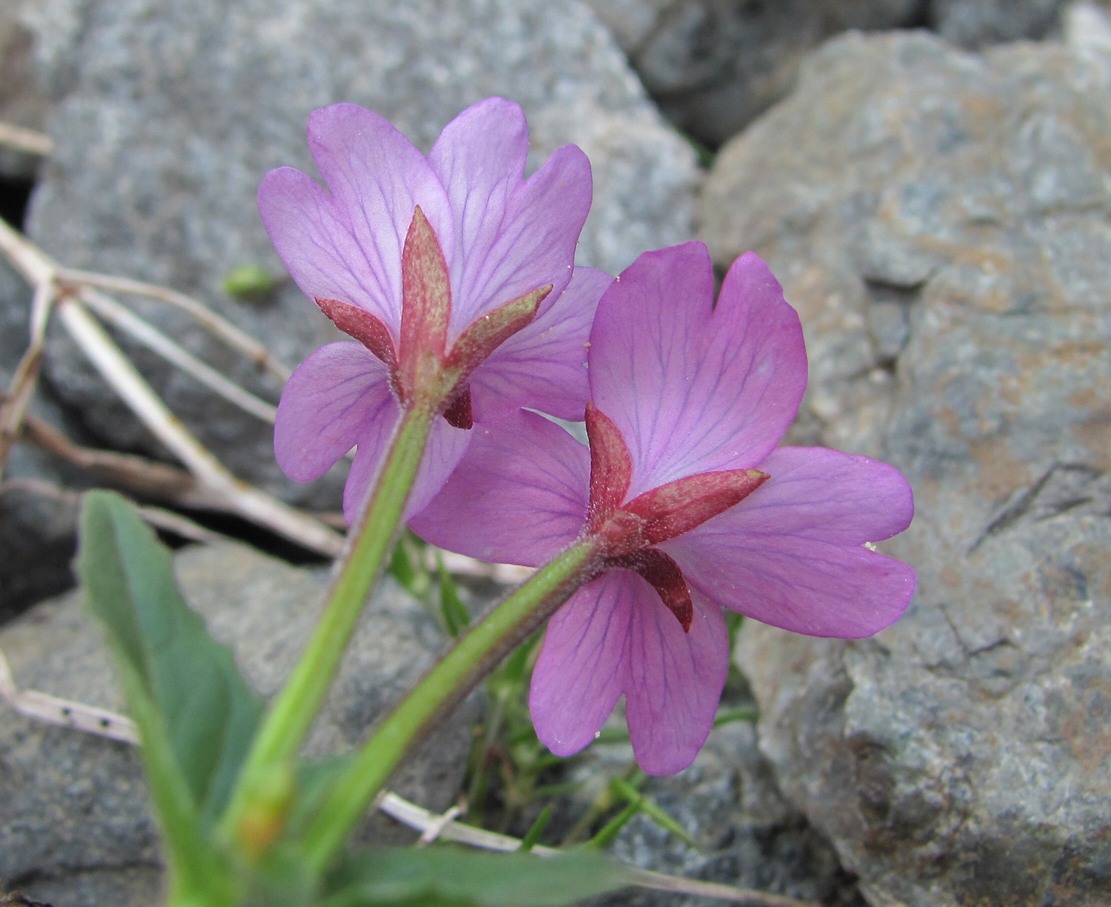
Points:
(70, 304)
(22, 139)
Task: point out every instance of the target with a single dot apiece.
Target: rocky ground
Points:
(930, 180)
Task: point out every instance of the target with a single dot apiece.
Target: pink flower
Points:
(689, 503)
(453, 273)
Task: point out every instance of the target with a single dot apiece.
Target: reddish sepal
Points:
(666, 578)
(425, 310)
(611, 467)
(680, 506)
(360, 325)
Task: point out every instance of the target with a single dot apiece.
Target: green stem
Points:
(368, 545)
(443, 687)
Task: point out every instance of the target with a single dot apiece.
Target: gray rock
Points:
(168, 115)
(714, 65)
(975, 23)
(747, 833)
(74, 824)
(941, 221)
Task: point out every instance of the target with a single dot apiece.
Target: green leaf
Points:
(249, 282)
(407, 567)
(198, 701)
(453, 877)
(455, 614)
(532, 837)
(653, 810)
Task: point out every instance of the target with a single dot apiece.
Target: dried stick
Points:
(13, 407)
(22, 139)
(118, 371)
(54, 710)
(219, 327)
(152, 338)
(446, 828)
(243, 499)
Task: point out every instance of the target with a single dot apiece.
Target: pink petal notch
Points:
(696, 387)
(433, 264)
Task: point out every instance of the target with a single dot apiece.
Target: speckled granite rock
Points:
(74, 825)
(747, 833)
(714, 65)
(975, 23)
(167, 115)
(943, 223)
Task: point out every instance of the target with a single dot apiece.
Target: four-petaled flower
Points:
(688, 502)
(454, 274)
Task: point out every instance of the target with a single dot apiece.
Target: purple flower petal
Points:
(347, 245)
(544, 365)
(675, 683)
(519, 495)
(513, 236)
(615, 636)
(446, 447)
(792, 553)
(580, 673)
(693, 387)
(327, 405)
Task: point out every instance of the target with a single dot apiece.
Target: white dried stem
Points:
(118, 371)
(25, 379)
(22, 139)
(36, 268)
(64, 712)
(152, 338)
(243, 499)
(219, 327)
(425, 821)
(462, 565)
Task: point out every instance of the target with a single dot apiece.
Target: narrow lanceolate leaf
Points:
(426, 307)
(451, 877)
(179, 676)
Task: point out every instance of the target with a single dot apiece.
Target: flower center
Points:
(424, 369)
(628, 531)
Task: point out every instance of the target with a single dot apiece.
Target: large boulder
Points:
(167, 115)
(714, 65)
(976, 23)
(943, 223)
